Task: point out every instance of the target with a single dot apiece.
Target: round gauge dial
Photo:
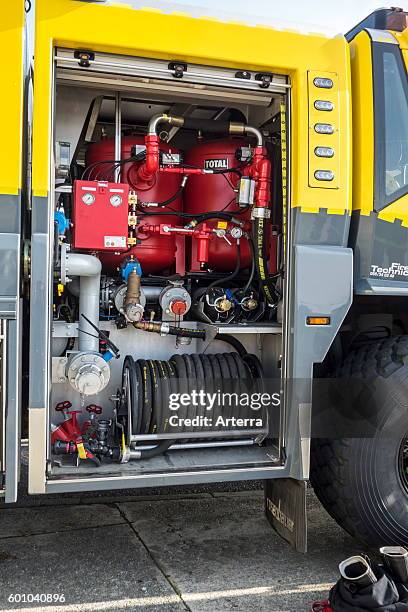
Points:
(88, 198)
(116, 200)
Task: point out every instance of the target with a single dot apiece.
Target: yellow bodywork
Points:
(363, 124)
(363, 129)
(149, 33)
(11, 67)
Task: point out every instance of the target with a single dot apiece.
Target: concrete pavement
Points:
(206, 551)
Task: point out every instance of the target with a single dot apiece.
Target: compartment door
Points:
(10, 405)
(12, 70)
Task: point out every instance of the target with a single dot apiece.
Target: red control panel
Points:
(100, 216)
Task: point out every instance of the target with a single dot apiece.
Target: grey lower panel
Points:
(10, 213)
(9, 273)
(40, 324)
(322, 286)
(163, 480)
(10, 248)
(13, 412)
(173, 468)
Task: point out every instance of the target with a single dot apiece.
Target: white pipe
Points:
(88, 268)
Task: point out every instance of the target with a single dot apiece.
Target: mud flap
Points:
(285, 508)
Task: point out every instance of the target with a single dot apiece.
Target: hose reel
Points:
(191, 395)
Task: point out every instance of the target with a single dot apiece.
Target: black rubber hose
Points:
(259, 229)
(147, 396)
(156, 397)
(229, 277)
(207, 125)
(184, 332)
(171, 198)
(232, 341)
(179, 365)
(161, 448)
(253, 266)
(224, 216)
(226, 373)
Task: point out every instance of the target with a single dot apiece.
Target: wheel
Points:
(363, 481)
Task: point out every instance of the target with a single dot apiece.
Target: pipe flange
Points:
(88, 373)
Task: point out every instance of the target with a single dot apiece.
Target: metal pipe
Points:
(197, 445)
(88, 268)
(200, 435)
(252, 130)
(163, 118)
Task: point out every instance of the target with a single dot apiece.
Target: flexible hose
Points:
(232, 341)
(229, 277)
(161, 448)
(261, 262)
(253, 266)
(150, 383)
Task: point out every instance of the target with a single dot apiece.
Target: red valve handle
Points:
(63, 406)
(94, 408)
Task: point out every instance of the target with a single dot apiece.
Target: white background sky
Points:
(328, 16)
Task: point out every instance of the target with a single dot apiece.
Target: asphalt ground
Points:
(204, 549)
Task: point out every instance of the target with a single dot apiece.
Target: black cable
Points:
(134, 158)
(232, 341)
(171, 198)
(229, 277)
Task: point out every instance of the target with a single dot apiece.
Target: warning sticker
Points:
(116, 242)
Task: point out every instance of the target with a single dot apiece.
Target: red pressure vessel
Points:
(215, 193)
(155, 253)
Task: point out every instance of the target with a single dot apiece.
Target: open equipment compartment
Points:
(167, 244)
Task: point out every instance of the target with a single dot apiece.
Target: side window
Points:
(391, 124)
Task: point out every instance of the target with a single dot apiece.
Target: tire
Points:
(363, 481)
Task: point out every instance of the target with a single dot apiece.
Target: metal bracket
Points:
(265, 79)
(178, 69)
(243, 74)
(85, 57)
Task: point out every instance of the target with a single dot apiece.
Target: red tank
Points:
(155, 253)
(215, 193)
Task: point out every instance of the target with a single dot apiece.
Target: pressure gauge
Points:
(236, 233)
(115, 200)
(88, 199)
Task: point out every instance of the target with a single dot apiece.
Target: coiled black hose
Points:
(148, 385)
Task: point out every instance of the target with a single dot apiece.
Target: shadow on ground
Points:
(205, 549)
